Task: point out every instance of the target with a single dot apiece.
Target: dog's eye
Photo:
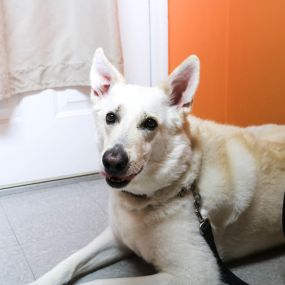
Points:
(111, 118)
(149, 123)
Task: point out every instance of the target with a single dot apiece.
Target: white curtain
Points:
(50, 43)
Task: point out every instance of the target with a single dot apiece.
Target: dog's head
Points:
(141, 133)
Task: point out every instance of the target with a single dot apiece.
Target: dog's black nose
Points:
(115, 160)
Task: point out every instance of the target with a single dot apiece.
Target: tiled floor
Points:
(40, 227)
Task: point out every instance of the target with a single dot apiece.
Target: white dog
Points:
(152, 148)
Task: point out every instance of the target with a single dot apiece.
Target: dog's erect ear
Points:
(183, 81)
(103, 74)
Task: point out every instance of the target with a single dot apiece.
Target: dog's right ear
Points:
(103, 74)
(183, 82)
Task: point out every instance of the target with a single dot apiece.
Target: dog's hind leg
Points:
(102, 251)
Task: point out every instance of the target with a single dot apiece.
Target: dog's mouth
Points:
(119, 181)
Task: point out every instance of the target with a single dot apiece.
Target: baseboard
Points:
(53, 182)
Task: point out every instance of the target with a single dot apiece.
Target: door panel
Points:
(49, 134)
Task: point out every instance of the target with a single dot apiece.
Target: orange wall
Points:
(241, 45)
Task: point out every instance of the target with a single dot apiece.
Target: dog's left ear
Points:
(103, 74)
(183, 82)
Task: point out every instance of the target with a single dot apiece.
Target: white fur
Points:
(240, 174)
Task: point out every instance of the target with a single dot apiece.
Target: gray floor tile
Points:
(7, 237)
(45, 254)
(14, 268)
(267, 268)
(45, 214)
(98, 191)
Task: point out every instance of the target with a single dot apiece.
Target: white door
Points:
(51, 134)
(47, 135)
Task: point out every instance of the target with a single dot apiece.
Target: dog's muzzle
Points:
(116, 161)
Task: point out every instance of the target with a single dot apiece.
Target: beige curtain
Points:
(50, 43)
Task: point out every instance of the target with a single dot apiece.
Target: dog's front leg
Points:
(102, 251)
(161, 278)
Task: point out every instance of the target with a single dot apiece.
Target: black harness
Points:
(227, 276)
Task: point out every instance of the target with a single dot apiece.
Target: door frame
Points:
(145, 40)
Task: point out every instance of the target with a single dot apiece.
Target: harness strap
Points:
(228, 277)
